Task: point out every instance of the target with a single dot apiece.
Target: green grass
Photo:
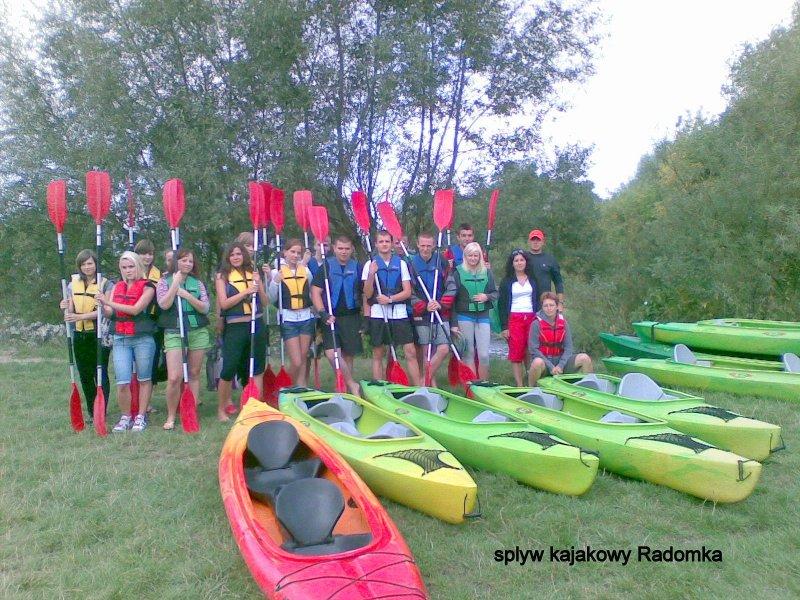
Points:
(140, 516)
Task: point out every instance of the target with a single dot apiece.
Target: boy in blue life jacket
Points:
(455, 253)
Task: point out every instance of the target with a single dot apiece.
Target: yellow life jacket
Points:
(237, 283)
(154, 275)
(83, 301)
(295, 287)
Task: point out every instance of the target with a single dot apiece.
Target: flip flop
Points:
(169, 426)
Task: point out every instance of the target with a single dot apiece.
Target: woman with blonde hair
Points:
(472, 292)
(128, 309)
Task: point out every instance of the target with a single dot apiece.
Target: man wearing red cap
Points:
(545, 268)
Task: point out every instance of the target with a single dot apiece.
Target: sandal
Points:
(169, 425)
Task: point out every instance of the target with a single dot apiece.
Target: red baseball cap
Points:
(536, 233)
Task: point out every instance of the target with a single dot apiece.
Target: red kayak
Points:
(307, 526)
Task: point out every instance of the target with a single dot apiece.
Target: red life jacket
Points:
(126, 324)
(551, 337)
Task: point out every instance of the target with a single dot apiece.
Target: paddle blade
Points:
(395, 373)
(318, 220)
(465, 374)
(301, 202)
(428, 374)
(341, 386)
(98, 194)
(390, 222)
(452, 372)
(134, 395)
(57, 203)
(188, 411)
(492, 209)
(256, 203)
(266, 203)
(268, 395)
(75, 410)
(249, 392)
(360, 210)
(174, 201)
(282, 379)
(99, 412)
(276, 205)
(443, 213)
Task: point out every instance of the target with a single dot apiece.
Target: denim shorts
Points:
(291, 329)
(128, 348)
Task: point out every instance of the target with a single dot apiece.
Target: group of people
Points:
(418, 301)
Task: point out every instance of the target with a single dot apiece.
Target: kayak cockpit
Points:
(459, 410)
(350, 418)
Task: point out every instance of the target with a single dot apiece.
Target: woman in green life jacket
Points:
(183, 286)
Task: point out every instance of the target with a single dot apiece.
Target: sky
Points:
(660, 60)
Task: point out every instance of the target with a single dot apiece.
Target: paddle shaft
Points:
(253, 311)
(330, 307)
(99, 248)
(435, 292)
(280, 296)
(175, 238)
(65, 296)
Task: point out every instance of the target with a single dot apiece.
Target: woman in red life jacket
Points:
(517, 309)
(183, 286)
(550, 344)
(128, 307)
(298, 324)
(236, 282)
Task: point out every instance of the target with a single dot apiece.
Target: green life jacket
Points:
(168, 319)
(472, 284)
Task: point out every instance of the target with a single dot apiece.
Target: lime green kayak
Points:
(722, 336)
(711, 375)
(752, 323)
(636, 392)
(489, 439)
(631, 444)
(634, 347)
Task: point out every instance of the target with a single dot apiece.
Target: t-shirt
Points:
(394, 311)
(521, 297)
(546, 272)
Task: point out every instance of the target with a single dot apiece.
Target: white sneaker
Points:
(123, 425)
(139, 424)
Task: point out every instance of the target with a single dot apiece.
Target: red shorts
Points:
(519, 330)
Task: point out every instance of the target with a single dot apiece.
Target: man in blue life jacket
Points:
(425, 264)
(455, 253)
(345, 284)
(387, 287)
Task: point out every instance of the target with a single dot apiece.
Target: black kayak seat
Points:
(390, 430)
(615, 416)
(266, 484)
(489, 416)
(682, 354)
(427, 400)
(791, 362)
(538, 397)
(593, 382)
(639, 386)
(272, 443)
(309, 510)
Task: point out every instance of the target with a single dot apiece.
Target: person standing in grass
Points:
(472, 291)
(81, 317)
(183, 286)
(236, 282)
(545, 268)
(550, 344)
(517, 309)
(388, 316)
(146, 251)
(128, 308)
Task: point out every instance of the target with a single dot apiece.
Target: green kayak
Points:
(636, 392)
(489, 439)
(723, 336)
(634, 347)
(631, 444)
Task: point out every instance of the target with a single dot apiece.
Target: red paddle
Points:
(98, 201)
(268, 384)
(358, 200)
(318, 220)
(282, 379)
(57, 211)
(131, 227)
(490, 219)
(174, 206)
(302, 201)
(443, 217)
(256, 206)
(386, 211)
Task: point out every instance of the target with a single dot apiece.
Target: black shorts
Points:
(401, 332)
(569, 367)
(236, 351)
(348, 334)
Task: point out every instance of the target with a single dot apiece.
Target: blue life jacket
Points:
(389, 277)
(343, 277)
(427, 271)
(458, 254)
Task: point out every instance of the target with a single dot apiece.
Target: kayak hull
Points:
(515, 448)
(649, 450)
(689, 414)
(384, 567)
(414, 471)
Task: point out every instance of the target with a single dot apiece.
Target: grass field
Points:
(140, 515)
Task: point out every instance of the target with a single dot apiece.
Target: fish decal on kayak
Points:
(676, 439)
(428, 460)
(712, 411)
(543, 439)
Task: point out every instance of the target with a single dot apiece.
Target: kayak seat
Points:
(272, 443)
(639, 386)
(390, 430)
(593, 382)
(540, 398)
(426, 400)
(346, 427)
(353, 409)
(489, 416)
(617, 417)
(791, 362)
(308, 510)
(682, 354)
(329, 412)
(266, 484)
